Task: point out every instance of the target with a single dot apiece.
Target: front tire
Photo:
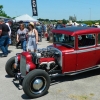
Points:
(36, 83)
(9, 66)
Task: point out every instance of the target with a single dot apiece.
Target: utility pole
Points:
(90, 13)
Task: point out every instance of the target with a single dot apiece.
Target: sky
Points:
(54, 9)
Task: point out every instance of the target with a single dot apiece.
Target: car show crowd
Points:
(28, 35)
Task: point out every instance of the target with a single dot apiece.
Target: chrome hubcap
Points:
(37, 84)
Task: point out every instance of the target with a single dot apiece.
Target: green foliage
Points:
(1, 7)
(46, 19)
(64, 21)
(2, 13)
(40, 19)
(88, 22)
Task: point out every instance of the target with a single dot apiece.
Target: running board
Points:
(81, 71)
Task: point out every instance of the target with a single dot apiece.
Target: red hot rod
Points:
(74, 50)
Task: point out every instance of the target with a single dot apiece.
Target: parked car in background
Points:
(75, 50)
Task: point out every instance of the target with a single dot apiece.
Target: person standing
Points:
(4, 38)
(39, 29)
(22, 36)
(44, 30)
(32, 40)
(9, 23)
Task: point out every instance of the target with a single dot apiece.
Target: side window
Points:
(99, 38)
(86, 40)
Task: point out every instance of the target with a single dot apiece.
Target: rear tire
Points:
(36, 83)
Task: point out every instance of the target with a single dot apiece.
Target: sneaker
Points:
(9, 51)
(16, 47)
(4, 55)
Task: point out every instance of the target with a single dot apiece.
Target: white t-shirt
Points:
(9, 29)
(22, 33)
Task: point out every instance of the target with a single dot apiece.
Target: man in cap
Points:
(4, 38)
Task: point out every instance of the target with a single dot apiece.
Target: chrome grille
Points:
(23, 66)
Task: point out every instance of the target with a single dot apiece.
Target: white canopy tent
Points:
(25, 18)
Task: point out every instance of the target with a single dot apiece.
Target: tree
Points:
(2, 13)
(88, 22)
(47, 20)
(64, 21)
(1, 7)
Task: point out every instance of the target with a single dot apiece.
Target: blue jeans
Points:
(40, 37)
(23, 45)
(9, 40)
(4, 44)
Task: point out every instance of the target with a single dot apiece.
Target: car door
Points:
(86, 53)
(70, 62)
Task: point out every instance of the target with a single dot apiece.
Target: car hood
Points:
(63, 49)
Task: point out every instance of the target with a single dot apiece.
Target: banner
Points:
(34, 8)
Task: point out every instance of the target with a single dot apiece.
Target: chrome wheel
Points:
(38, 85)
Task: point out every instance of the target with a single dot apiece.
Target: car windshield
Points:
(64, 39)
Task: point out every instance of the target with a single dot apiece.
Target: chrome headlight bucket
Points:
(16, 59)
(27, 67)
(38, 55)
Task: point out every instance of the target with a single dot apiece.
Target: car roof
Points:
(76, 30)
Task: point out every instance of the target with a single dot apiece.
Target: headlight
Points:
(16, 59)
(27, 67)
(57, 54)
(38, 55)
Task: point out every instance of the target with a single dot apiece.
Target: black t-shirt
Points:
(4, 28)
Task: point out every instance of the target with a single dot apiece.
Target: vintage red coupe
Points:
(74, 50)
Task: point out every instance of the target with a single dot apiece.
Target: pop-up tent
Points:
(5, 18)
(25, 18)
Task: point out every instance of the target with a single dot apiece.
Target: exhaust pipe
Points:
(48, 64)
